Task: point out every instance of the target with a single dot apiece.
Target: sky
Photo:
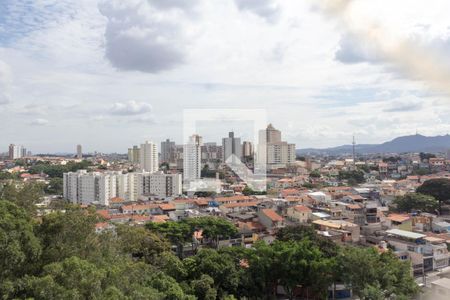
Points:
(110, 74)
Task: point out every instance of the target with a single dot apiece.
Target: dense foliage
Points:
(353, 177)
(60, 256)
(58, 170)
(438, 188)
(416, 202)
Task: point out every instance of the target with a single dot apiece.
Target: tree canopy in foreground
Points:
(62, 257)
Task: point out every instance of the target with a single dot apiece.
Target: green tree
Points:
(140, 242)
(69, 233)
(314, 174)
(19, 247)
(213, 228)
(261, 273)
(55, 186)
(438, 188)
(203, 288)
(303, 264)
(24, 195)
(302, 232)
(72, 278)
(364, 268)
(247, 191)
(415, 201)
(8, 176)
(426, 156)
(353, 176)
(178, 233)
(220, 266)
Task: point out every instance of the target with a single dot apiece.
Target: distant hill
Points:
(409, 143)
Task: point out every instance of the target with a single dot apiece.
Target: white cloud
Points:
(5, 83)
(130, 108)
(141, 38)
(39, 122)
(266, 9)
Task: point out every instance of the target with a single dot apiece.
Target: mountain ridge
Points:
(408, 143)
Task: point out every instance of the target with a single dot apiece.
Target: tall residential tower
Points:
(192, 162)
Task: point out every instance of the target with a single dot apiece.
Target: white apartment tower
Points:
(159, 184)
(192, 158)
(15, 151)
(272, 151)
(134, 154)
(82, 187)
(148, 160)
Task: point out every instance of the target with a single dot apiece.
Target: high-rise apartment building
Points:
(168, 151)
(231, 147)
(272, 151)
(247, 149)
(159, 184)
(134, 154)
(269, 135)
(211, 155)
(192, 158)
(179, 149)
(79, 152)
(16, 151)
(148, 159)
(82, 187)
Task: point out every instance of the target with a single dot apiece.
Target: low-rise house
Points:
(299, 213)
(353, 198)
(234, 199)
(433, 251)
(399, 221)
(159, 218)
(350, 232)
(152, 209)
(166, 208)
(238, 207)
(270, 219)
(320, 197)
(320, 216)
(440, 227)
(103, 226)
(290, 192)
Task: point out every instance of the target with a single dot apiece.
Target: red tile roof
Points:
(134, 207)
(302, 208)
(167, 206)
(104, 213)
(398, 218)
(271, 214)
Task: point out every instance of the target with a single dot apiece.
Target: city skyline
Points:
(62, 77)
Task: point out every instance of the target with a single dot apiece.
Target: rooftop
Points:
(406, 234)
(271, 214)
(302, 208)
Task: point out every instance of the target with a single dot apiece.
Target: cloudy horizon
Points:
(112, 74)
